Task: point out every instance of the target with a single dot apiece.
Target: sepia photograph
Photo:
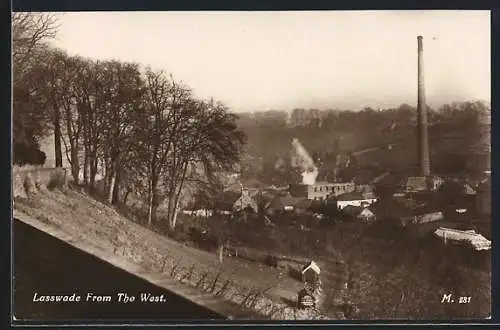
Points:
(177, 166)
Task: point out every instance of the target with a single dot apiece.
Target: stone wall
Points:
(32, 180)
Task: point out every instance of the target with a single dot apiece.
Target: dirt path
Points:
(334, 276)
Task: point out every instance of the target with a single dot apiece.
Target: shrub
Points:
(57, 180)
(271, 261)
(28, 184)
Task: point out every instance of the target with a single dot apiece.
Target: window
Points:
(315, 189)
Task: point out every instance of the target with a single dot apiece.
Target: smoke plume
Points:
(306, 163)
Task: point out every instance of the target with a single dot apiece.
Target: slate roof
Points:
(416, 183)
(226, 200)
(279, 202)
(352, 210)
(355, 196)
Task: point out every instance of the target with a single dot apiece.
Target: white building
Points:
(355, 198)
(478, 241)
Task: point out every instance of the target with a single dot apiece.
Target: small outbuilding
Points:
(310, 273)
(306, 298)
(366, 215)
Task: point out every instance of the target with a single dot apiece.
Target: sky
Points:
(283, 60)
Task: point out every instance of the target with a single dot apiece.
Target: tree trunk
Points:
(150, 209)
(112, 181)
(151, 199)
(173, 205)
(221, 253)
(86, 170)
(57, 136)
(126, 196)
(150, 203)
(93, 171)
(75, 165)
(116, 189)
(111, 188)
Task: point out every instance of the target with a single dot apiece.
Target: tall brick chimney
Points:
(423, 139)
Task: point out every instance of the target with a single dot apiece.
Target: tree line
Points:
(328, 132)
(456, 113)
(142, 130)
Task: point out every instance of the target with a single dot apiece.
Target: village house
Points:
(469, 190)
(421, 183)
(288, 203)
(229, 202)
(280, 164)
(350, 212)
(365, 188)
(366, 215)
(358, 213)
(321, 190)
(355, 198)
(420, 217)
(401, 212)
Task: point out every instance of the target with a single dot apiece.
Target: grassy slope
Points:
(391, 273)
(402, 276)
(76, 213)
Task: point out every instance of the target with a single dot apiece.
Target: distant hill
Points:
(385, 139)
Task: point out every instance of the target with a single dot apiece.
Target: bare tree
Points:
(90, 106)
(29, 30)
(30, 120)
(157, 136)
(206, 143)
(53, 82)
(121, 92)
(72, 117)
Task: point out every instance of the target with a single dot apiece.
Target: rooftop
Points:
(355, 195)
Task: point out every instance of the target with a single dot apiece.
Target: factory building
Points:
(321, 190)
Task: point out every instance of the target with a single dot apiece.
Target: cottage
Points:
(469, 190)
(202, 213)
(365, 188)
(366, 215)
(280, 164)
(355, 198)
(199, 207)
(288, 203)
(229, 201)
(422, 183)
(391, 208)
(403, 213)
(421, 217)
(416, 183)
(351, 211)
(358, 213)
